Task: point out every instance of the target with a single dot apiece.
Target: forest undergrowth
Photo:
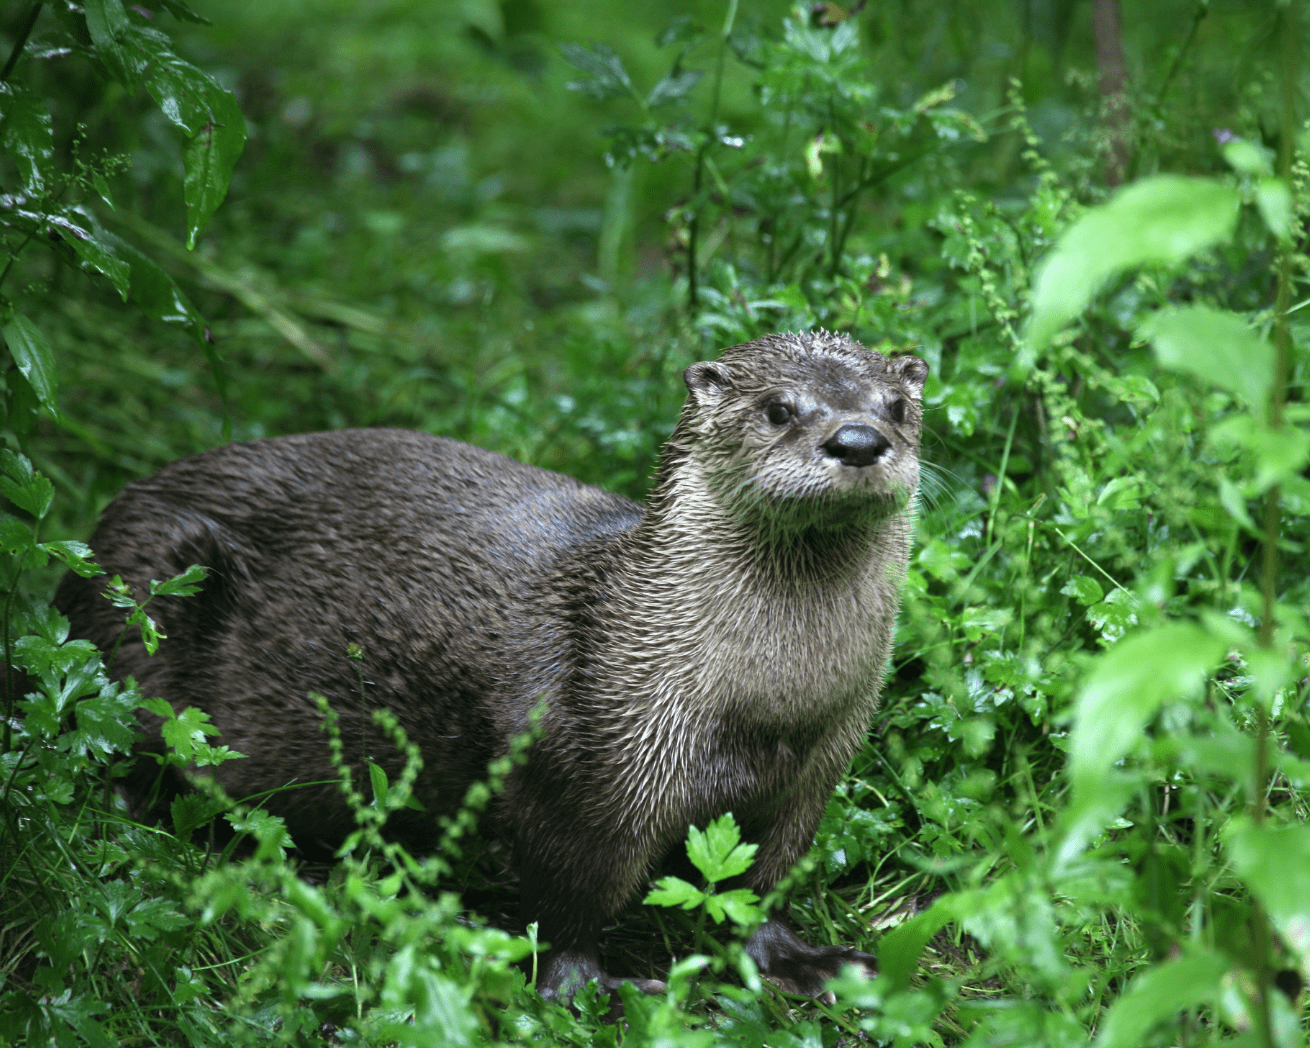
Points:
(1080, 813)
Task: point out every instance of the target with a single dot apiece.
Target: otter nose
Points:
(856, 445)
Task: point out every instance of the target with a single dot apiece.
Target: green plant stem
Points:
(1000, 476)
(21, 42)
(1269, 574)
(1198, 16)
(702, 154)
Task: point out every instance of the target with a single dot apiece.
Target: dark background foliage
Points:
(1079, 813)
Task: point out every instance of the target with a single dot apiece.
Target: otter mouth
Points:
(824, 508)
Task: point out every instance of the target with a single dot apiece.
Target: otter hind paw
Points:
(795, 967)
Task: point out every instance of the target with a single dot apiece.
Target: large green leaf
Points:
(210, 158)
(1159, 994)
(27, 136)
(96, 248)
(33, 357)
(192, 100)
(108, 24)
(1274, 861)
(1214, 345)
(1159, 221)
(1128, 686)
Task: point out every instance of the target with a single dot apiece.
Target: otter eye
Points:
(897, 410)
(779, 413)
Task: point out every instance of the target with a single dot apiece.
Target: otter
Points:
(720, 649)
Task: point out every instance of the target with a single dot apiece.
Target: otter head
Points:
(807, 429)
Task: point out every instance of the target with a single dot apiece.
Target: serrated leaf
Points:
(159, 707)
(1214, 345)
(76, 555)
(609, 78)
(183, 585)
(186, 730)
(27, 136)
(1084, 589)
(106, 723)
(1128, 685)
(738, 905)
(34, 358)
(15, 536)
(1159, 994)
(674, 891)
(78, 1013)
(673, 87)
(1161, 220)
(717, 852)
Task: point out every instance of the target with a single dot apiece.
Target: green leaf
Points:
(105, 722)
(96, 248)
(1274, 201)
(34, 358)
(154, 292)
(718, 852)
(1161, 220)
(15, 536)
(1084, 589)
(673, 87)
(738, 905)
(27, 136)
(77, 1013)
(181, 11)
(1216, 346)
(209, 160)
(187, 729)
(77, 555)
(674, 891)
(1126, 688)
(1159, 994)
(378, 777)
(159, 707)
(184, 585)
(609, 78)
(23, 486)
(107, 22)
(191, 99)
(900, 949)
(1247, 157)
(1232, 499)
(1274, 861)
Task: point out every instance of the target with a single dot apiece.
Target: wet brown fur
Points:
(720, 649)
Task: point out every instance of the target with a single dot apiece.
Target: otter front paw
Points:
(795, 967)
(565, 972)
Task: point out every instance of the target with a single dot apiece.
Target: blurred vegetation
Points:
(1080, 813)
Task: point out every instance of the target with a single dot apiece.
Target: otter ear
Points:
(912, 372)
(707, 381)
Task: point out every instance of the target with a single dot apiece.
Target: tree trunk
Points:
(1114, 83)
